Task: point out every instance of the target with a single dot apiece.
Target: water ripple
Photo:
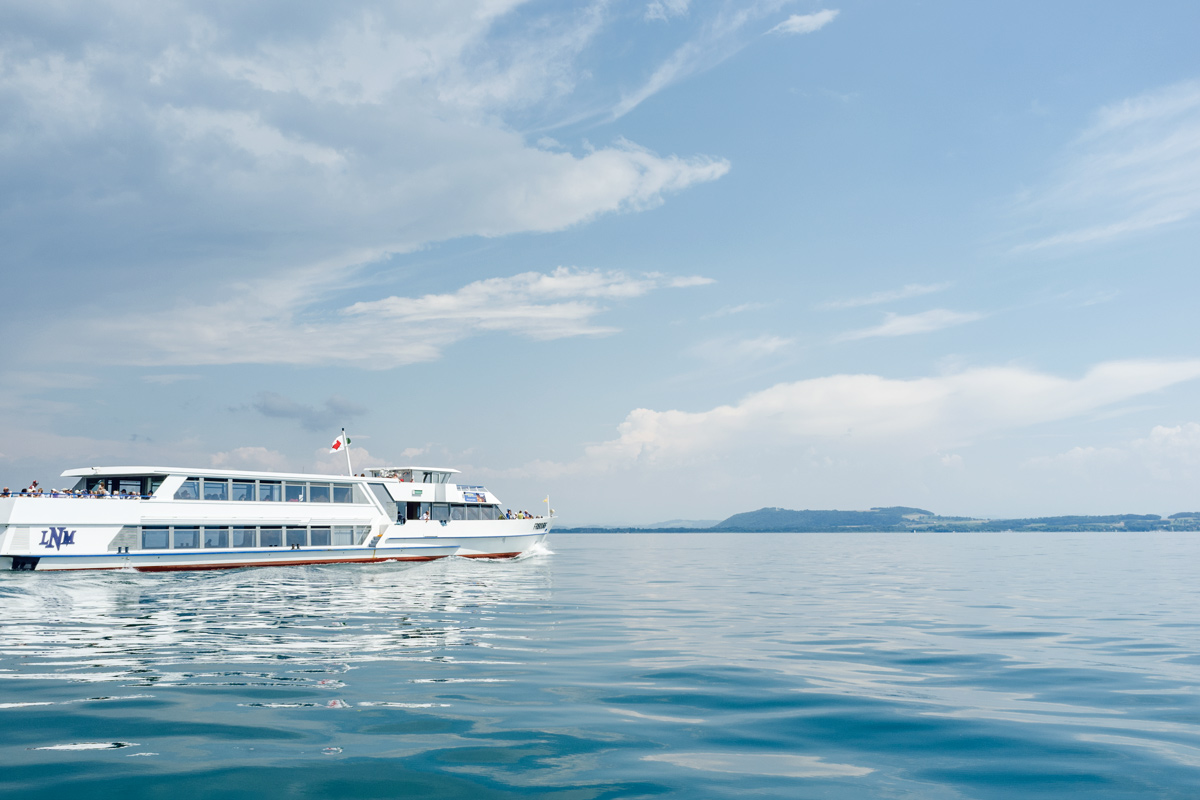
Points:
(874, 665)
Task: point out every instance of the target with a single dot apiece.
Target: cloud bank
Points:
(930, 414)
(267, 322)
(160, 140)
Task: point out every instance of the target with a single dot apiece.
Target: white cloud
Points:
(908, 324)
(805, 23)
(1165, 454)
(731, 350)
(230, 145)
(273, 322)
(927, 413)
(247, 132)
(328, 463)
(887, 296)
(1135, 169)
(665, 9)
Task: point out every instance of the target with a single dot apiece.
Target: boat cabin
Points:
(413, 474)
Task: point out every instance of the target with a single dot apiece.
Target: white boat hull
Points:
(54, 534)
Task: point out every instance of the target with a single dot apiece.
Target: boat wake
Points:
(539, 549)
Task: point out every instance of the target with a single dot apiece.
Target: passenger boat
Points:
(162, 518)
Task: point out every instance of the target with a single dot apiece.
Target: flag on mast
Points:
(342, 443)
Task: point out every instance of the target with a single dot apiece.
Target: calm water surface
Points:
(688, 666)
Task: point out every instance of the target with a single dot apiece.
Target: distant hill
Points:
(906, 511)
(903, 518)
(783, 519)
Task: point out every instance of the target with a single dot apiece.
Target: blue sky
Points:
(660, 260)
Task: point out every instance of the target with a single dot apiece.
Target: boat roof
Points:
(412, 469)
(199, 472)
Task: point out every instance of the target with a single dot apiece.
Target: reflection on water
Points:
(268, 627)
(878, 665)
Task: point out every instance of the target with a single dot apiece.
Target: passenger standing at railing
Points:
(5, 493)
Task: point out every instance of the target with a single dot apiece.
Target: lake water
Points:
(622, 666)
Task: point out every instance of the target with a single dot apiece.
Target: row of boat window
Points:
(448, 511)
(194, 538)
(269, 491)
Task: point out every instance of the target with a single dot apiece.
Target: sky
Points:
(655, 260)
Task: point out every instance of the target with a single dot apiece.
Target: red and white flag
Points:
(338, 443)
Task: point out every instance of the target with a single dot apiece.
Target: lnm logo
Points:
(57, 537)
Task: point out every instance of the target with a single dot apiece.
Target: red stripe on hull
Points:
(490, 555)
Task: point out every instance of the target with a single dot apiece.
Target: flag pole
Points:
(346, 444)
(547, 506)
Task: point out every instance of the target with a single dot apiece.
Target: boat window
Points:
(343, 494)
(128, 485)
(343, 535)
(155, 538)
(215, 489)
(189, 490)
(318, 493)
(242, 491)
(294, 492)
(270, 537)
(361, 532)
(458, 511)
(216, 537)
(185, 538)
(426, 477)
(269, 491)
(474, 512)
(155, 481)
(319, 537)
(296, 536)
(441, 511)
(389, 505)
(242, 537)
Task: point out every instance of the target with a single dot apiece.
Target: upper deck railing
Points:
(68, 493)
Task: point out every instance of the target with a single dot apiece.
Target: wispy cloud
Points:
(666, 9)
(740, 308)
(805, 23)
(1134, 170)
(888, 296)
(720, 38)
(908, 324)
(729, 350)
(279, 321)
